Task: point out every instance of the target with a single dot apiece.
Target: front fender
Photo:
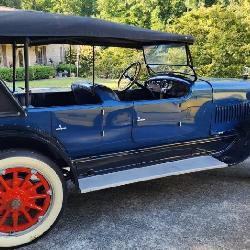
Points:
(239, 149)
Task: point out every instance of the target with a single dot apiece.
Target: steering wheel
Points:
(132, 78)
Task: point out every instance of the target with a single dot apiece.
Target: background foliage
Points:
(109, 62)
(222, 35)
(221, 29)
(35, 73)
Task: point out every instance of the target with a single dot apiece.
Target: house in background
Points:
(41, 55)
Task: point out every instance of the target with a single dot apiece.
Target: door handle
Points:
(139, 119)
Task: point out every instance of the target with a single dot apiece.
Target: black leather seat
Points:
(21, 99)
(83, 94)
(138, 94)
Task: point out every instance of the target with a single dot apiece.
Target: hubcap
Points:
(25, 197)
(16, 204)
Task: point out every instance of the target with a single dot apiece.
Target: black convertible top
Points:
(46, 28)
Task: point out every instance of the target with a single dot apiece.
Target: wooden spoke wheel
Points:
(31, 197)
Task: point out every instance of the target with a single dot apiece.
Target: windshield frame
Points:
(189, 63)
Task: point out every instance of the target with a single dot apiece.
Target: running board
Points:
(114, 179)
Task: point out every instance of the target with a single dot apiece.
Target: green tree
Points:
(11, 3)
(112, 61)
(85, 58)
(40, 5)
(74, 7)
(222, 35)
(145, 13)
(194, 4)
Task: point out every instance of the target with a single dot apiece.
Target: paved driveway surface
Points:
(206, 210)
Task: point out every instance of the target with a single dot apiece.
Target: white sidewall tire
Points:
(55, 182)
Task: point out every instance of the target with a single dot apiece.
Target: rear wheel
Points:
(31, 197)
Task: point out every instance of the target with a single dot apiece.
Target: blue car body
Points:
(213, 108)
(168, 124)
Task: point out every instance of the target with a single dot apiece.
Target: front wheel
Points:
(31, 197)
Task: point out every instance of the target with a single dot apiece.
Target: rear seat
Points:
(21, 99)
(50, 99)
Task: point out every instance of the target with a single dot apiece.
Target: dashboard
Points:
(167, 86)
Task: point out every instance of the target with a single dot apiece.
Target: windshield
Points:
(168, 58)
(170, 54)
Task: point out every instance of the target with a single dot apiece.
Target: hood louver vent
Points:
(236, 112)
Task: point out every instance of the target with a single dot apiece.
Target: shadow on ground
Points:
(206, 210)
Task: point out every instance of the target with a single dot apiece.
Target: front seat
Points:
(84, 94)
(138, 94)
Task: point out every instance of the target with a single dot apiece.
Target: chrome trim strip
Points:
(141, 150)
(139, 119)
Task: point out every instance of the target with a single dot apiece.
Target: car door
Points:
(117, 126)
(79, 128)
(174, 119)
(156, 120)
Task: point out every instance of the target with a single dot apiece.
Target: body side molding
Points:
(143, 157)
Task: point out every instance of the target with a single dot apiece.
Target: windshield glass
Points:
(167, 54)
(168, 58)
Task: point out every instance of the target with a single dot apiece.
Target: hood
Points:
(227, 82)
(229, 88)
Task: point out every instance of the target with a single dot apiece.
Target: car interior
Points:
(82, 95)
(79, 95)
(162, 86)
(154, 91)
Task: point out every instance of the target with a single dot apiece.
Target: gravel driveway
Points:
(206, 210)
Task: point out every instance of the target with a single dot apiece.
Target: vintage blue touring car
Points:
(170, 124)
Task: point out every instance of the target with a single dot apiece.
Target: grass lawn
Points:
(64, 82)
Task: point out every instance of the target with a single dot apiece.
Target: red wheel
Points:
(25, 197)
(31, 198)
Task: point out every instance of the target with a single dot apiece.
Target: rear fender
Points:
(25, 138)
